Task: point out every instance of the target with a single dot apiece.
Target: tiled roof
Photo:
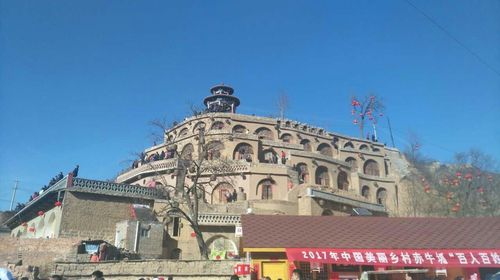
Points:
(370, 232)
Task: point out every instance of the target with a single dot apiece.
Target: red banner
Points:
(242, 269)
(398, 257)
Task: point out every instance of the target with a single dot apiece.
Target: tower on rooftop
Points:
(222, 99)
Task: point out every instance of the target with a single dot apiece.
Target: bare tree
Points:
(193, 175)
(283, 104)
(371, 108)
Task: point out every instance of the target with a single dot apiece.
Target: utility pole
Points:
(13, 195)
(390, 130)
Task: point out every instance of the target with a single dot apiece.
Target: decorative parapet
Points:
(225, 166)
(218, 219)
(108, 188)
(155, 166)
(314, 193)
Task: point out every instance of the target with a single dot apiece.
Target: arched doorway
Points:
(382, 196)
(303, 172)
(342, 181)
(214, 149)
(371, 168)
(306, 144)
(222, 193)
(322, 177)
(221, 247)
(264, 133)
(265, 189)
(353, 163)
(187, 152)
(243, 151)
(325, 149)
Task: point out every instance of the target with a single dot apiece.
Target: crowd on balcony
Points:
(144, 158)
(52, 182)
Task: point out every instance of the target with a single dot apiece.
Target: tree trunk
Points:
(202, 246)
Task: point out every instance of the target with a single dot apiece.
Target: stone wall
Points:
(94, 216)
(36, 252)
(128, 270)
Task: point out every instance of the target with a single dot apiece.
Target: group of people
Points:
(143, 158)
(231, 196)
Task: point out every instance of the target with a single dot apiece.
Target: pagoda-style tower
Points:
(222, 100)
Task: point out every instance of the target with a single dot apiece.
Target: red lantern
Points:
(41, 213)
(24, 224)
(459, 175)
(193, 234)
(468, 177)
(58, 203)
(31, 229)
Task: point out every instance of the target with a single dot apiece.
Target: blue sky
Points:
(80, 80)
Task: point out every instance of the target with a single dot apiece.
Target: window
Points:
(264, 133)
(352, 163)
(342, 182)
(214, 149)
(197, 127)
(306, 144)
(176, 231)
(267, 192)
(218, 125)
(243, 151)
(187, 152)
(322, 177)
(286, 138)
(381, 196)
(239, 129)
(266, 189)
(270, 156)
(371, 168)
(303, 173)
(365, 192)
(363, 147)
(349, 145)
(222, 193)
(145, 232)
(325, 149)
(183, 132)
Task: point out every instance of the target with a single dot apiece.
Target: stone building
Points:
(81, 208)
(276, 166)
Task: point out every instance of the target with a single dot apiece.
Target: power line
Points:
(453, 38)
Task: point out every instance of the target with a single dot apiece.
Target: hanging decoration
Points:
(41, 213)
(58, 203)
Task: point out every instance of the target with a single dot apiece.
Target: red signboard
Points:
(242, 269)
(398, 257)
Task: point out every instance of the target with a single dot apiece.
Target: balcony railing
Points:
(154, 166)
(219, 219)
(110, 188)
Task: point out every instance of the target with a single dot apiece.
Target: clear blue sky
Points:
(79, 80)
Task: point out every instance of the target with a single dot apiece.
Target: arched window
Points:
(352, 162)
(365, 192)
(327, 212)
(270, 156)
(381, 196)
(239, 129)
(371, 168)
(325, 149)
(303, 172)
(187, 152)
(376, 150)
(342, 182)
(218, 125)
(214, 149)
(222, 193)
(322, 177)
(265, 188)
(243, 151)
(349, 145)
(197, 127)
(286, 138)
(221, 248)
(264, 133)
(306, 144)
(183, 132)
(363, 147)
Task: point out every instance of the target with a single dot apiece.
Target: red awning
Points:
(398, 257)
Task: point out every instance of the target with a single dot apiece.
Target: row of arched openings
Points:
(221, 194)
